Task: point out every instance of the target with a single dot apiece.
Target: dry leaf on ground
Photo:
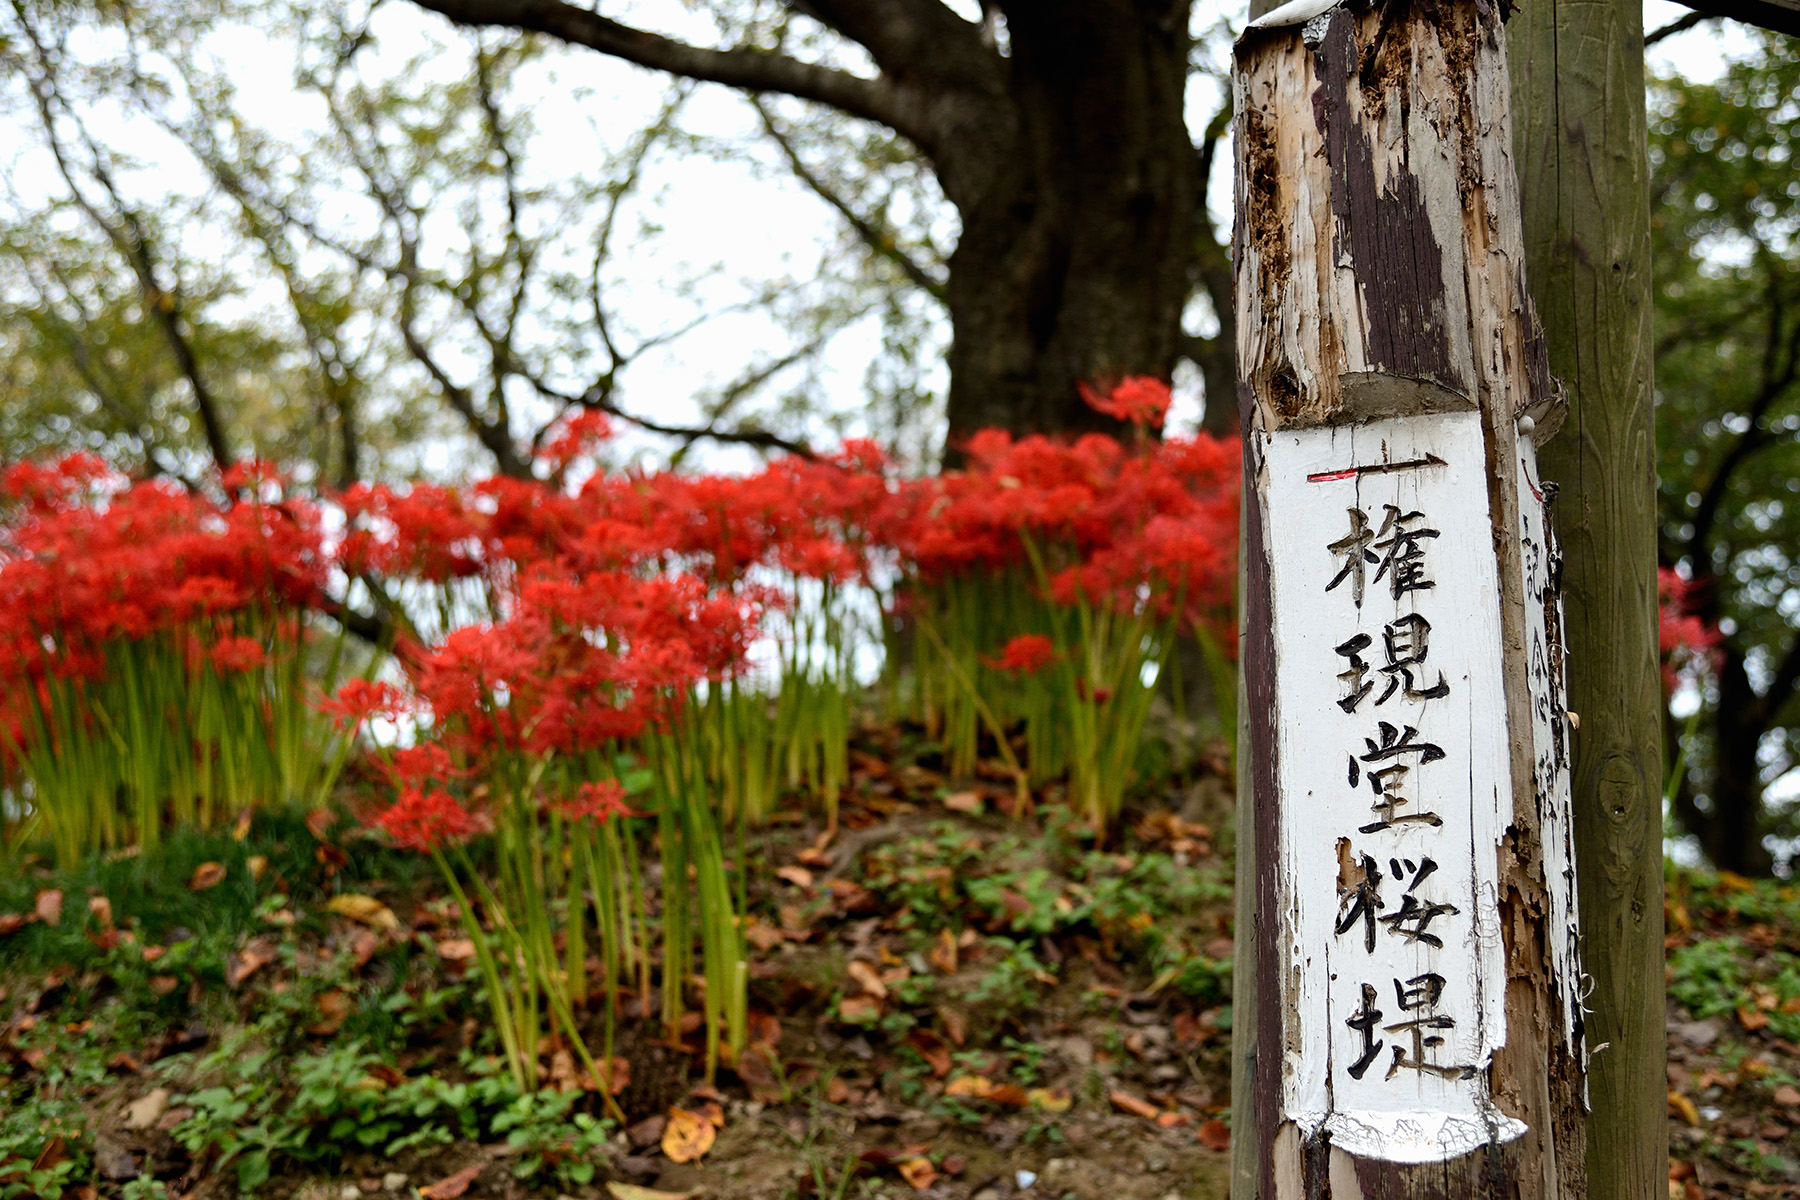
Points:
(49, 906)
(963, 802)
(857, 1010)
(247, 962)
(335, 1008)
(868, 979)
(1126, 1102)
(1214, 1135)
(973, 1086)
(366, 909)
(918, 1172)
(687, 1136)
(798, 876)
(631, 1191)
(206, 875)
(451, 1186)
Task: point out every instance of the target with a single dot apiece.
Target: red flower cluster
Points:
(613, 597)
(1140, 399)
(425, 820)
(1682, 636)
(1026, 654)
(597, 803)
(1114, 526)
(89, 560)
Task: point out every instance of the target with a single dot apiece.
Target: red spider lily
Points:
(360, 699)
(426, 820)
(576, 436)
(1026, 654)
(597, 803)
(235, 655)
(1140, 399)
(1682, 636)
(414, 766)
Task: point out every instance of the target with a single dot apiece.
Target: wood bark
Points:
(1381, 287)
(1578, 83)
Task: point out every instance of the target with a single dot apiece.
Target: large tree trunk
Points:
(1732, 833)
(1076, 251)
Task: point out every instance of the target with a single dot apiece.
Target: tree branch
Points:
(752, 70)
(1680, 25)
(880, 241)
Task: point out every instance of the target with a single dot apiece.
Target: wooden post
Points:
(1578, 88)
(1408, 1016)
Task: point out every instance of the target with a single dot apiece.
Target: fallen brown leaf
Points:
(319, 822)
(162, 985)
(1050, 1099)
(335, 1008)
(206, 875)
(49, 906)
(631, 1191)
(956, 1026)
(763, 935)
(456, 949)
(1752, 1019)
(102, 911)
(858, 1010)
(257, 865)
(868, 979)
(688, 1135)
(964, 802)
(943, 955)
(1681, 1106)
(917, 1172)
(976, 1087)
(451, 1186)
(13, 922)
(1214, 1135)
(800, 877)
(1788, 1096)
(247, 962)
(1009, 1094)
(363, 909)
(932, 1049)
(1126, 1102)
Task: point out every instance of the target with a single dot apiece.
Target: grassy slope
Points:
(949, 997)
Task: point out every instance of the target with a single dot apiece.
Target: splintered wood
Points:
(1417, 1019)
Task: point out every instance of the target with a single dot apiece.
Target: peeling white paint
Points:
(1360, 1065)
(1545, 670)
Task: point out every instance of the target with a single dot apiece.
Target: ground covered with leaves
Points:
(1734, 1036)
(948, 999)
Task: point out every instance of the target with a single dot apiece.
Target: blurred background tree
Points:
(1725, 214)
(437, 244)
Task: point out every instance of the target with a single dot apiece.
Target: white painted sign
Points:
(1394, 781)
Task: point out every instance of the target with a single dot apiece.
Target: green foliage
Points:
(317, 1107)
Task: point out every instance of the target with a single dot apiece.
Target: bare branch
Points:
(879, 240)
(752, 70)
(1680, 25)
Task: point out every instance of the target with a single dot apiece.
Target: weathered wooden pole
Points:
(1408, 1014)
(1578, 95)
